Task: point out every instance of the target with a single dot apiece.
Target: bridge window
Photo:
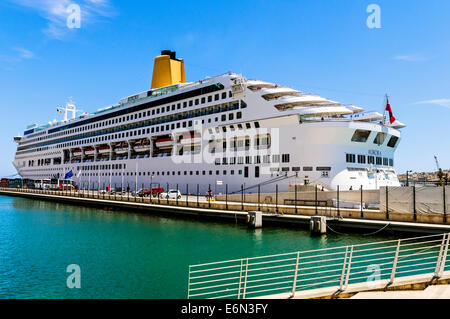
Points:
(392, 141)
(360, 136)
(379, 139)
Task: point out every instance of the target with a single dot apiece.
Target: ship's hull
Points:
(317, 155)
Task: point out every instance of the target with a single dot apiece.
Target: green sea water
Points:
(125, 254)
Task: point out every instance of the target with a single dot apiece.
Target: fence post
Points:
(226, 196)
(444, 257)
(341, 283)
(276, 198)
(115, 191)
(187, 195)
(240, 280)
(245, 278)
(348, 268)
(414, 203)
(295, 198)
(198, 190)
(362, 211)
(315, 198)
(394, 265)
(294, 286)
(177, 195)
(445, 204)
(338, 204)
(209, 195)
(259, 197)
(242, 197)
(387, 202)
(167, 190)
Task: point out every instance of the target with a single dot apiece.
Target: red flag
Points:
(388, 108)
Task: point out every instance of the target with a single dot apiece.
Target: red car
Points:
(156, 191)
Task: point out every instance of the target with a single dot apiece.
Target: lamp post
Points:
(407, 177)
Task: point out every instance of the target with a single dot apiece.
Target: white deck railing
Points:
(322, 268)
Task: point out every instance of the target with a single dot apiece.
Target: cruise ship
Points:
(223, 131)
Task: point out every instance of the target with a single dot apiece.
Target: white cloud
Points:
(55, 12)
(411, 58)
(24, 53)
(440, 102)
(17, 56)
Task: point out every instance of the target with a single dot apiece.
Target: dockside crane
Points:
(437, 163)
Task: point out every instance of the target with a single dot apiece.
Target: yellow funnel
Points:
(167, 70)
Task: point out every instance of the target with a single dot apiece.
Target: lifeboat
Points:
(77, 153)
(121, 148)
(164, 142)
(271, 93)
(89, 151)
(142, 146)
(302, 100)
(191, 139)
(257, 84)
(104, 150)
(323, 110)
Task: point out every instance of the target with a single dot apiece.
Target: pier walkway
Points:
(199, 207)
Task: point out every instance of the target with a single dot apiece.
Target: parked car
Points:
(144, 193)
(117, 191)
(156, 191)
(171, 194)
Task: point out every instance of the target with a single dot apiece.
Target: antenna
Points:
(386, 97)
(69, 107)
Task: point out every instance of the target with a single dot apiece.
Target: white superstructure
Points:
(218, 131)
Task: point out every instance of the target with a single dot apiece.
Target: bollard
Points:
(254, 219)
(318, 225)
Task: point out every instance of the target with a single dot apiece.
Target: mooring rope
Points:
(372, 233)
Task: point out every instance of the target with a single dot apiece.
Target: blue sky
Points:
(324, 47)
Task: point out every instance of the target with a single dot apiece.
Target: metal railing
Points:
(337, 268)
